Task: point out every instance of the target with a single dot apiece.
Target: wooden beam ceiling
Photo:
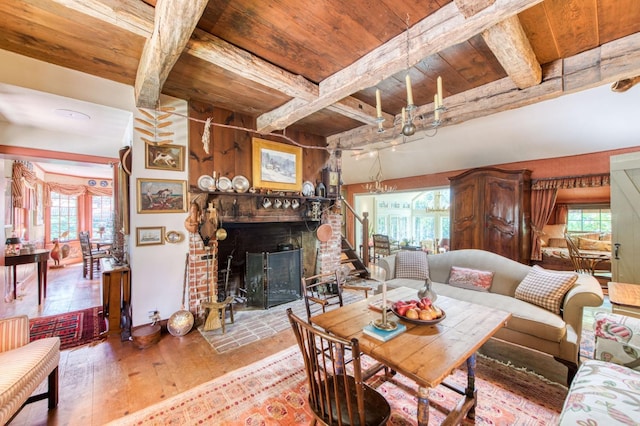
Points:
(456, 22)
(174, 23)
(607, 63)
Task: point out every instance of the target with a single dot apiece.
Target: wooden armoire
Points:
(491, 210)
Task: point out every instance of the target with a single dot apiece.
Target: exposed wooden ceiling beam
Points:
(444, 28)
(174, 23)
(511, 47)
(138, 18)
(135, 17)
(608, 63)
(471, 7)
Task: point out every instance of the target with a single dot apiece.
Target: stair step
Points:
(349, 260)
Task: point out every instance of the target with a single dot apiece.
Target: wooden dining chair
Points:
(382, 246)
(337, 395)
(90, 257)
(321, 292)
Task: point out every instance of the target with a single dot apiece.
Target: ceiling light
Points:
(407, 127)
(69, 113)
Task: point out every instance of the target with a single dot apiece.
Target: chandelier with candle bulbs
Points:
(377, 186)
(407, 126)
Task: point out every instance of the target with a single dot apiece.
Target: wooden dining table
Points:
(426, 354)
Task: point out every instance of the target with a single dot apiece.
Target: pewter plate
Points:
(206, 183)
(240, 183)
(224, 184)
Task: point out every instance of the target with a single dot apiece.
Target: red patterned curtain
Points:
(76, 190)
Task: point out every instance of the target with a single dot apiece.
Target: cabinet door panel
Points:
(466, 216)
(502, 212)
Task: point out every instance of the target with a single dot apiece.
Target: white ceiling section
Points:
(39, 120)
(589, 121)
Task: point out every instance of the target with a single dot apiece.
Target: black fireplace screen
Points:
(273, 278)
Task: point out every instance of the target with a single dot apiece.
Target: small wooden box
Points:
(146, 336)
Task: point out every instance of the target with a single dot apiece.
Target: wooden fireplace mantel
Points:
(245, 207)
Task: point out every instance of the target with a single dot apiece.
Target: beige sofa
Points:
(531, 326)
(24, 365)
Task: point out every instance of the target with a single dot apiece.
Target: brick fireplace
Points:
(205, 282)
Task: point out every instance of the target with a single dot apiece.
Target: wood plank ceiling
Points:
(315, 66)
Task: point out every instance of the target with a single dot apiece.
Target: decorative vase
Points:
(427, 291)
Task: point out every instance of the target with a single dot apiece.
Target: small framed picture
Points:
(150, 236)
(164, 157)
(161, 196)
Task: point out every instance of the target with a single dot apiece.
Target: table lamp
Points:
(12, 246)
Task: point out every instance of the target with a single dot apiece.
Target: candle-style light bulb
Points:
(409, 90)
(439, 84)
(378, 104)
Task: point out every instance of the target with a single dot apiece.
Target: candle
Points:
(436, 111)
(378, 104)
(409, 91)
(384, 296)
(439, 83)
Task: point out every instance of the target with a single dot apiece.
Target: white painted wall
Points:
(157, 271)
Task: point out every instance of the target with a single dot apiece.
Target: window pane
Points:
(596, 220)
(64, 219)
(101, 217)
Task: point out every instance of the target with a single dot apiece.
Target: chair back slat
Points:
(322, 292)
(337, 394)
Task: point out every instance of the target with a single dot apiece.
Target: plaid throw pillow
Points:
(471, 279)
(545, 288)
(412, 264)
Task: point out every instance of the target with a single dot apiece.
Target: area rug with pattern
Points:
(274, 392)
(74, 328)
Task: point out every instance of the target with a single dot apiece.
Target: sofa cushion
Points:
(412, 264)
(602, 393)
(472, 279)
(589, 244)
(545, 288)
(526, 318)
(552, 231)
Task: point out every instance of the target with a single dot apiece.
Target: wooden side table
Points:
(625, 299)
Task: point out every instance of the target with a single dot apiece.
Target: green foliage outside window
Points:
(589, 220)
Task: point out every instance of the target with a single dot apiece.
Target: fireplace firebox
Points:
(272, 279)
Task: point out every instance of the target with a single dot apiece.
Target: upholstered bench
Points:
(24, 365)
(602, 393)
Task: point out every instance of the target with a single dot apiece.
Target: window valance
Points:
(25, 179)
(570, 182)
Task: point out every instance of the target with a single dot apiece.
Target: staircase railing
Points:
(351, 214)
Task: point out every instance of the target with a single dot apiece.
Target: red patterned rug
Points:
(74, 328)
(273, 392)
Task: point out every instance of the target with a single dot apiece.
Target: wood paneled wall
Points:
(230, 149)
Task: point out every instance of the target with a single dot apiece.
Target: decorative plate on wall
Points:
(224, 184)
(206, 183)
(240, 184)
(174, 237)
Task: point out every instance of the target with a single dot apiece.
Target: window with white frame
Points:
(589, 218)
(102, 217)
(63, 216)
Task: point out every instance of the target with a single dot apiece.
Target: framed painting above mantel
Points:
(276, 166)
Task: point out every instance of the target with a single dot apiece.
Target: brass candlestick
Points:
(383, 323)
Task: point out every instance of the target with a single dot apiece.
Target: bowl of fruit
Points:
(421, 311)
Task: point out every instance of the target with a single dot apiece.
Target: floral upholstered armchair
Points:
(617, 339)
(606, 390)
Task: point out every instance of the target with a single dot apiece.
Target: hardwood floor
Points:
(105, 381)
(109, 379)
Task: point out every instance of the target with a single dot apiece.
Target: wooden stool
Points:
(217, 310)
